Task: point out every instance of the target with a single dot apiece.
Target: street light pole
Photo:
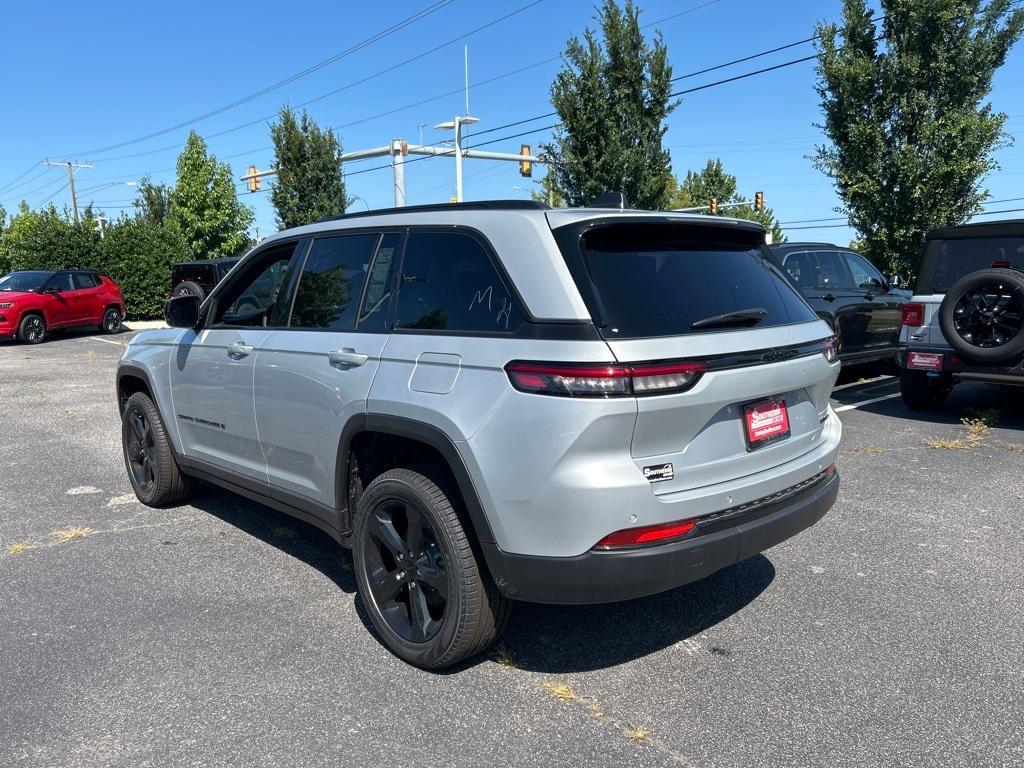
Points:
(456, 125)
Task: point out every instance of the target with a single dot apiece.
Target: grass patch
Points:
(561, 691)
(72, 533)
(974, 431)
(947, 443)
(504, 658)
(595, 710)
(18, 547)
(1015, 447)
(638, 733)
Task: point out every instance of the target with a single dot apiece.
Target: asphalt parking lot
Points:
(224, 633)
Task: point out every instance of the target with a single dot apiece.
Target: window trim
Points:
(496, 265)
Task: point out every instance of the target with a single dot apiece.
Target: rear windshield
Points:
(951, 260)
(195, 273)
(657, 280)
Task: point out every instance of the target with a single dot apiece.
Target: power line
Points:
(33, 167)
(64, 186)
(32, 191)
(433, 8)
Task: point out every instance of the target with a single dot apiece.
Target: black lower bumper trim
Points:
(993, 374)
(609, 576)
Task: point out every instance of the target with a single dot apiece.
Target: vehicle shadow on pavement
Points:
(561, 639)
(300, 540)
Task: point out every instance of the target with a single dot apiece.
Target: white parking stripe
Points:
(862, 383)
(853, 406)
(107, 341)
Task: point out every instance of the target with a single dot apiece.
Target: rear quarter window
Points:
(657, 280)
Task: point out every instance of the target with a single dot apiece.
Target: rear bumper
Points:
(609, 576)
(954, 365)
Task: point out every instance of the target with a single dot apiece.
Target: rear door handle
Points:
(238, 349)
(346, 356)
(829, 297)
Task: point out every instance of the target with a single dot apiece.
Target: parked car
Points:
(35, 302)
(499, 401)
(851, 295)
(965, 321)
(198, 278)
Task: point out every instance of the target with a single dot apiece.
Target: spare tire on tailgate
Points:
(188, 288)
(982, 316)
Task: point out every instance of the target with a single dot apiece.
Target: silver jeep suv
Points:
(498, 401)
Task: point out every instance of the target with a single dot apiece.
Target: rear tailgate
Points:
(647, 283)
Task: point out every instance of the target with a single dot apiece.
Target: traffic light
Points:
(713, 208)
(759, 201)
(525, 166)
(254, 180)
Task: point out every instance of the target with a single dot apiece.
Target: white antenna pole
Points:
(466, 56)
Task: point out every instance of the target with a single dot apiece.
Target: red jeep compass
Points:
(34, 302)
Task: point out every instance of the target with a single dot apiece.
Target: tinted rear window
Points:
(657, 280)
(203, 274)
(953, 259)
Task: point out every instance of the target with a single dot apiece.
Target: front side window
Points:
(448, 283)
(252, 297)
(61, 282)
(864, 275)
(331, 281)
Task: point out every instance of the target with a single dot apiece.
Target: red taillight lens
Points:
(913, 314)
(610, 380)
(648, 534)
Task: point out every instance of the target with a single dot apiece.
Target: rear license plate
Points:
(765, 422)
(927, 361)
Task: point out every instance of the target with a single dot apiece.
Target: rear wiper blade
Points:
(750, 316)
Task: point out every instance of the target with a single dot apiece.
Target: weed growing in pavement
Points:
(638, 733)
(504, 658)
(72, 533)
(947, 443)
(18, 547)
(975, 429)
(562, 692)
(874, 450)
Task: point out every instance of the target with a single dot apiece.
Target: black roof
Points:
(482, 205)
(1007, 228)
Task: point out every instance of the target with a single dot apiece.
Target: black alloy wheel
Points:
(406, 570)
(32, 329)
(111, 321)
(140, 449)
(990, 315)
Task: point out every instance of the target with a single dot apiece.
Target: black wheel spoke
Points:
(434, 577)
(414, 532)
(420, 621)
(386, 585)
(138, 427)
(385, 532)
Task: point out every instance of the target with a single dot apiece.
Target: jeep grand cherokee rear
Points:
(703, 438)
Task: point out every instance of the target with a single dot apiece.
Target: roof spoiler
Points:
(610, 200)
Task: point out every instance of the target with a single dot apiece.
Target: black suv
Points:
(848, 293)
(966, 318)
(198, 278)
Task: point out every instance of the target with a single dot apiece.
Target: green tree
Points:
(151, 204)
(613, 96)
(137, 255)
(910, 132)
(48, 239)
(309, 183)
(549, 193)
(203, 204)
(699, 187)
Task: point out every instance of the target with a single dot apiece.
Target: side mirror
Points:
(52, 289)
(182, 311)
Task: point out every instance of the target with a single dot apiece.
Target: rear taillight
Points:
(831, 349)
(648, 534)
(609, 380)
(913, 314)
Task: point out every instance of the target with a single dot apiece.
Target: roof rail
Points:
(482, 205)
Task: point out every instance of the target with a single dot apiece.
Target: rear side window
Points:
(85, 280)
(448, 283)
(954, 259)
(657, 280)
(831, 272)
(331, 282)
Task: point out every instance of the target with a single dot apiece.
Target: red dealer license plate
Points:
(765, 422)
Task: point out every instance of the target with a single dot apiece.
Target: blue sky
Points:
(81, 77)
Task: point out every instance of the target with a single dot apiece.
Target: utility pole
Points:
(456, 125)
(70, 167)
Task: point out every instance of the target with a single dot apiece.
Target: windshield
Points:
(655, 280)
(24, 281)
(954, 259)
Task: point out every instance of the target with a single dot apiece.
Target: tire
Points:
(922, 392)
(111, 322)
(32, 328)
(152, 469)
(188, 288)
(461, 608)
(982, 316)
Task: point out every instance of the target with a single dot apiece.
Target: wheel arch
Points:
(383, 439)
(132, 379)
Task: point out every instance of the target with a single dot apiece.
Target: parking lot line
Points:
(854, 406)
(107, 341)
(861, 383)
